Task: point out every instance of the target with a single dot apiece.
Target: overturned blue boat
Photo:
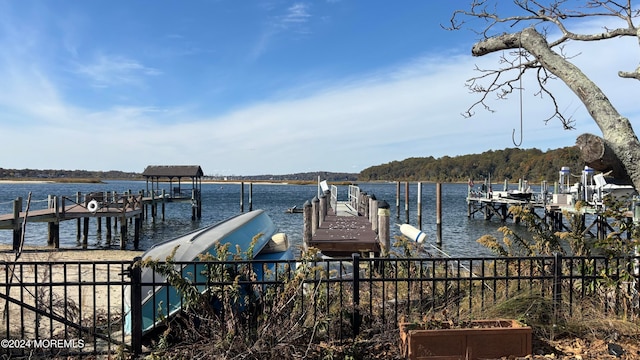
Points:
(254, 228)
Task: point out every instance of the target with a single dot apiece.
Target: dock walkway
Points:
(344, 227)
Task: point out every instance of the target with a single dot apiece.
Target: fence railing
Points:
(80, 308)
(70, 308)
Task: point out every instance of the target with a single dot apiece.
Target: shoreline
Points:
(26, 182)
(43, 254)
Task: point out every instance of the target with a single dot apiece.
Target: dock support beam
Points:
(123, 233)
(85, 233)
(136, 236)
(108, 226)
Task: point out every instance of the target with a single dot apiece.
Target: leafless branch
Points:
(537, 14)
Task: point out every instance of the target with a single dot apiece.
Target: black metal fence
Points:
(81, 308)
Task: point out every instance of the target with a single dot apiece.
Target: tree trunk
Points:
(617, 132)
(598, 155)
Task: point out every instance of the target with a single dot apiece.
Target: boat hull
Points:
(162, 302)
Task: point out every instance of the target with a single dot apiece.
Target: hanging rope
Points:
(513, 133)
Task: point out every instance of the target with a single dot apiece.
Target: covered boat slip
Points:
(157, 174)
(255, 228)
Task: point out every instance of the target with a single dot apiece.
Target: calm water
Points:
(221, 201)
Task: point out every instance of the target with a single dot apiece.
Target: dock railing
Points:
(354, 196)
(64, 308)
(334, 197)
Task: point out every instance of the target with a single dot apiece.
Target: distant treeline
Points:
(307, 176)
(66, 174)
(30, 174)
(513, 164)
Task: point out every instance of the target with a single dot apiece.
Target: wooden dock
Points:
(553, 208)
(339, 229)
(123, 208)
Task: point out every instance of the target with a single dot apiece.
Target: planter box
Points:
(480, 339)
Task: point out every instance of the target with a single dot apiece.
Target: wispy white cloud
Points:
(296, 14)
(113, 70)
(295, 19)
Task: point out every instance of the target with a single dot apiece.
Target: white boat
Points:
(604, 188)
(161, 302)
(594, 188)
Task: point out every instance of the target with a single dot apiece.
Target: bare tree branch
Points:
(530, 47)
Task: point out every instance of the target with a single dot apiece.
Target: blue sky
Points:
(261, 87)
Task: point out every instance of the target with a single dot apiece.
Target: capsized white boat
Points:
(161, 302)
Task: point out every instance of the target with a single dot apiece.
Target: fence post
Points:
(136, 306)
(355, 322)
(557, 285)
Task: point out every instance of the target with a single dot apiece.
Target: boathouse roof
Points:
(171, 171)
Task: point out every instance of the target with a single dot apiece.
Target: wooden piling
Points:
(56, 223)
(373, 212)
(327, 194)
(250, 196)
(323, 209)
(384, 227)
(154, 208)
(397, 200)
(307, 231)
(419, 206)
(123, 233)
(136, 230)
(164, 200)
(438, 213)
(406, 201)
(315, 214)
(50, 228)
(17, 229)
(79, 221)
(194, 205)
(199, 203)
(85, 233)
(364, 204)
(242, 196)
(108, 226)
